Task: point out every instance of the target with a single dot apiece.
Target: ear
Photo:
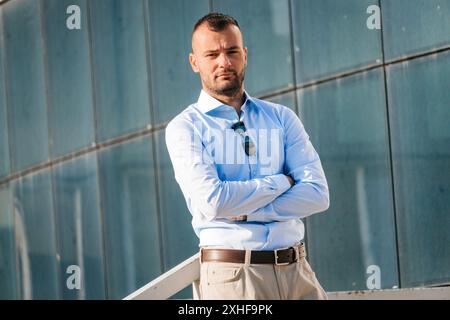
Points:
(245, 56)
(193, 61)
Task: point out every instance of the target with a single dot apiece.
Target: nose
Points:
(224, 60)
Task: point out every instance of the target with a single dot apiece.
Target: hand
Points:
(239, 218)
(291, 181)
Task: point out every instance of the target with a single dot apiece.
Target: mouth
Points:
(225, 75)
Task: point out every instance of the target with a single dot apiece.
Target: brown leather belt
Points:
(277, 257)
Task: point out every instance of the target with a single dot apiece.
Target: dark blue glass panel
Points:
(179, 239)
(35, 237)
(332, 37)
(175, 85)
(119, 60)
(4, 148)
(419, 102)
(286, 99)
(69, 84)
(413, 26)
(346, 121)
(265, 27)
(27, 114)
(8, 289)
(128, 195)
(77, 207)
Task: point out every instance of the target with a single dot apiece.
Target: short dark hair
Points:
(216, 21)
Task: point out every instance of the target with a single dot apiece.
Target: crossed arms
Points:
(265, 199)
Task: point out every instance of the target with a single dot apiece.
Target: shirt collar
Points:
(207, 103)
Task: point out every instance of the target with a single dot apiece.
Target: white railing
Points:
(171, 282)
(188, 272)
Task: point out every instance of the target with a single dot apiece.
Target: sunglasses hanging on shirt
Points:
(249, 146)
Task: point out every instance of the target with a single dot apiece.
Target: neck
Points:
(235, 101)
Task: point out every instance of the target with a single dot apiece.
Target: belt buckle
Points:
(276, 258)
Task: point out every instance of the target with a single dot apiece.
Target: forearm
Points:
(301, 201)
(218, 199)
(308, 196)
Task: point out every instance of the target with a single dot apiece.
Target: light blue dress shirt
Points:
(220, 182)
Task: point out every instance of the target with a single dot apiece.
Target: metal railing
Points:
(188, 272)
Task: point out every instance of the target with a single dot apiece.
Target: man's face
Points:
(220, 58)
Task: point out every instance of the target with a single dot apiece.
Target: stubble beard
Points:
(232, 89)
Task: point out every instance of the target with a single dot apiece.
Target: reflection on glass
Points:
(78, 215)
(346, 121)
(128, 195)
(332, 36)
(120, 67)
(419, 115)
(35, 237)
(68, 78)
(265, 27)
(7, 253)
(28, 132)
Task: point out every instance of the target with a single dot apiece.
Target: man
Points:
(246, 205)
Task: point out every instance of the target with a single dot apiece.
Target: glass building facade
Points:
(86, 180)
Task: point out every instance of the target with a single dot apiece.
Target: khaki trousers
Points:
(245, 281)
